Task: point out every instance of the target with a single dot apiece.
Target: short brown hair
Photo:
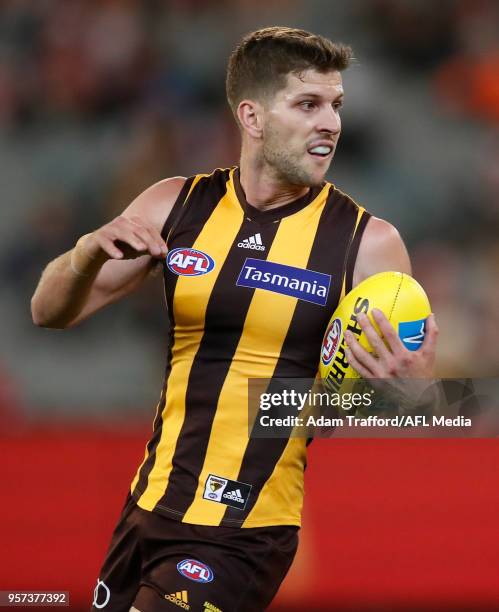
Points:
(261, 62)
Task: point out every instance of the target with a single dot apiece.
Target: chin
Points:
(315, 179)
(299, 174)
(305, 178)
(315, 175)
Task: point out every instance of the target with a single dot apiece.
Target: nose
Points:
(329, 121)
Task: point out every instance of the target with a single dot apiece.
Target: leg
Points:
(119, 577)
(216, 569)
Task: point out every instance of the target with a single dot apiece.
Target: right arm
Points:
(107, 264)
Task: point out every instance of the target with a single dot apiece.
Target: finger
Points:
(159, 247)
(128, 237)
(136, 220)
(372, 336)
(431, 335)
(361, 356)
(108, 246)
(157, 244)
(153, 232)
(357, 365)
(388, 331)
(152, 247)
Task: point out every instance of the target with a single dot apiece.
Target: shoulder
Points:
(380, 235)
(381, 249)
(156, 202)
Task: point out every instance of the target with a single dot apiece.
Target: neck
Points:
(263, 189)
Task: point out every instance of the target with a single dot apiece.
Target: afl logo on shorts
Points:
(331, 341)
(195, 570)
(189, 262)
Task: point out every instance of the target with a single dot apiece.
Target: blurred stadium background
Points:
(101, 98)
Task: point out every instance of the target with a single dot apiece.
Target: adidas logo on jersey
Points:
(179, 599)
(232, 493)
(234, 496)
(253, 242)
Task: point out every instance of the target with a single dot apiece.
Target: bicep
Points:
(381, 250)
(156, 203)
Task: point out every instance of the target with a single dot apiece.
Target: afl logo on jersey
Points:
(195, 570)
(331, 341)
(189, 262)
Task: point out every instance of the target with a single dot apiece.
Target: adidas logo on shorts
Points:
(234, 496)
(253, 242)
(180, 599)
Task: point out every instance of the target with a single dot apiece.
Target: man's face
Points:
(302, 126)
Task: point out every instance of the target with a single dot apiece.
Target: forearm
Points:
(65, 286)
(77, 284)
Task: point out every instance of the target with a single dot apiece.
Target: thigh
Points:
(119, 577)
(215, 569)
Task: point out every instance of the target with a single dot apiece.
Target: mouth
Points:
(321, 150)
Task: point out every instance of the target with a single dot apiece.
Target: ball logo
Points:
(331, 341)
(189, 262)
(412, 333)
(195, 570)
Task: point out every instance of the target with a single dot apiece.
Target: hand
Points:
(125, 238)
(393, 361)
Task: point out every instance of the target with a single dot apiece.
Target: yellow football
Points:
(398, 296)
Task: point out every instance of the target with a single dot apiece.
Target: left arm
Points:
(382, 249)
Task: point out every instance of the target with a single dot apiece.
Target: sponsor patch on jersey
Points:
(189, 262)
(300, 283)
(195, 570)
(412, 333)
(224, 491)
(331, 341)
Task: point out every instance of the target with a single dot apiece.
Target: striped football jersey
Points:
(249, 294)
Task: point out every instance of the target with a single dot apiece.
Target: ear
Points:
(250, 115)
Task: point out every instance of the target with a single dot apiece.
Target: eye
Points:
(307, 105)
(338, 105)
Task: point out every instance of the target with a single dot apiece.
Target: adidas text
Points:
(179, 599)
(234, 496)
(253, 242)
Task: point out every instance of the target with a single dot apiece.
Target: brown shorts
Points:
(155, 563)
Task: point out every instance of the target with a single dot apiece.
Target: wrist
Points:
(86, 261)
